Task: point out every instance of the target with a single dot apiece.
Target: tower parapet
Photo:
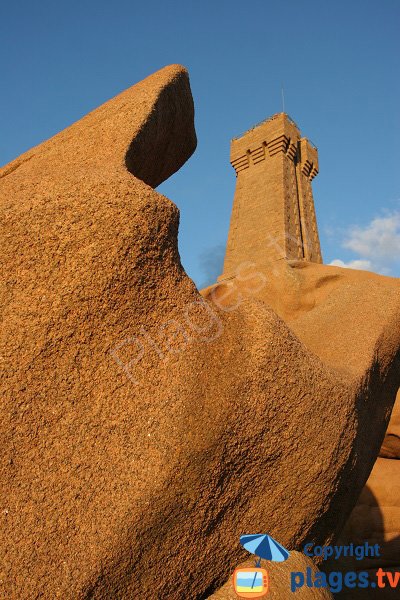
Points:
(273, 216)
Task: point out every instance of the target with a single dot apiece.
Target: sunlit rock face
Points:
(144, 426)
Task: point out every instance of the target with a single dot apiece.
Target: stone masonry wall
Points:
(273, 216)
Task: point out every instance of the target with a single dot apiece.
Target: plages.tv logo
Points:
(253, 582)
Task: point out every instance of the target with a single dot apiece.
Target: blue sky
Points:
(338, 64)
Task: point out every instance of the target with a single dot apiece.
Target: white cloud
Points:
(362, 265)
(380, 239)
(377, 245)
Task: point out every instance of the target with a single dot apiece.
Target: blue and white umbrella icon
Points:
(264, 546)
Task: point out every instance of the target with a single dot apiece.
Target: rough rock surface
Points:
(391, 443)
(144, 429)
(279, 581)
(375, 519)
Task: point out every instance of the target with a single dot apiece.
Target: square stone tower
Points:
(273, 216)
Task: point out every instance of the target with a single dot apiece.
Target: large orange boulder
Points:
(375, 519)
(143, 427)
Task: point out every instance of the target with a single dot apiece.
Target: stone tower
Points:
(273, 216)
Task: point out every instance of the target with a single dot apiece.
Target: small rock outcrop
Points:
(279, 576)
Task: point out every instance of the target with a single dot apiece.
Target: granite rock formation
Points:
(375, 519)
(144, 427)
